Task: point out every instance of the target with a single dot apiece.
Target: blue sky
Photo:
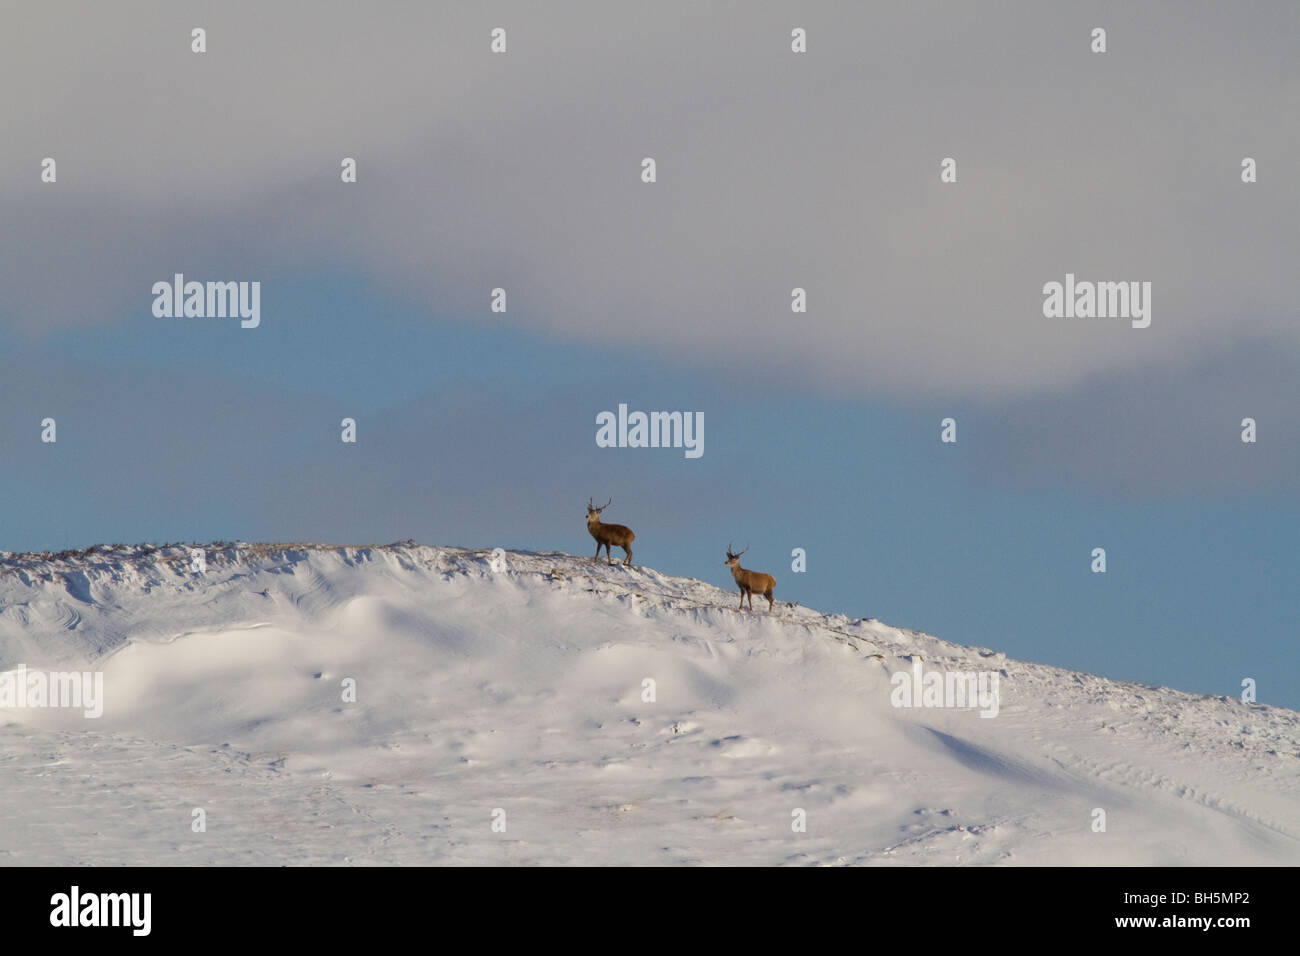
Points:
(775, 170)
(475, 433)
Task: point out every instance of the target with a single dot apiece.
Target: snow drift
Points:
(594, 714)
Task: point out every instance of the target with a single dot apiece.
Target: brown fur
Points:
(618, 535)
(751, 582)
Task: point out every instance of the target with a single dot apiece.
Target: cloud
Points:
(775, 171)
(1158, 433)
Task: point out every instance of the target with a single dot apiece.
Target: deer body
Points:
(750, 582)
(607, 534)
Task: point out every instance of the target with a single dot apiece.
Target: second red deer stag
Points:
(607, 534)
(751, 582)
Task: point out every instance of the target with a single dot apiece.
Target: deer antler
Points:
(746, 549)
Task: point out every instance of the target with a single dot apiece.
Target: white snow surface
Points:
(521, 690)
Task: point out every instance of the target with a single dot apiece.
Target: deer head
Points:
(733, 560)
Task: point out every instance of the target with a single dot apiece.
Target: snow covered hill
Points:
(519, 696)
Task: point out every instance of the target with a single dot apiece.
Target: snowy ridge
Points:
(521, 688)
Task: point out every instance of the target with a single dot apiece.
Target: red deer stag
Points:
(607, 534)
(751, 582)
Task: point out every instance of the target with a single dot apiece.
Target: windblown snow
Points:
(537, 708)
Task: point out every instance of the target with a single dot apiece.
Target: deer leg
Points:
(628, 561)
(770, 602)
(742, 600)
(597, 557)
